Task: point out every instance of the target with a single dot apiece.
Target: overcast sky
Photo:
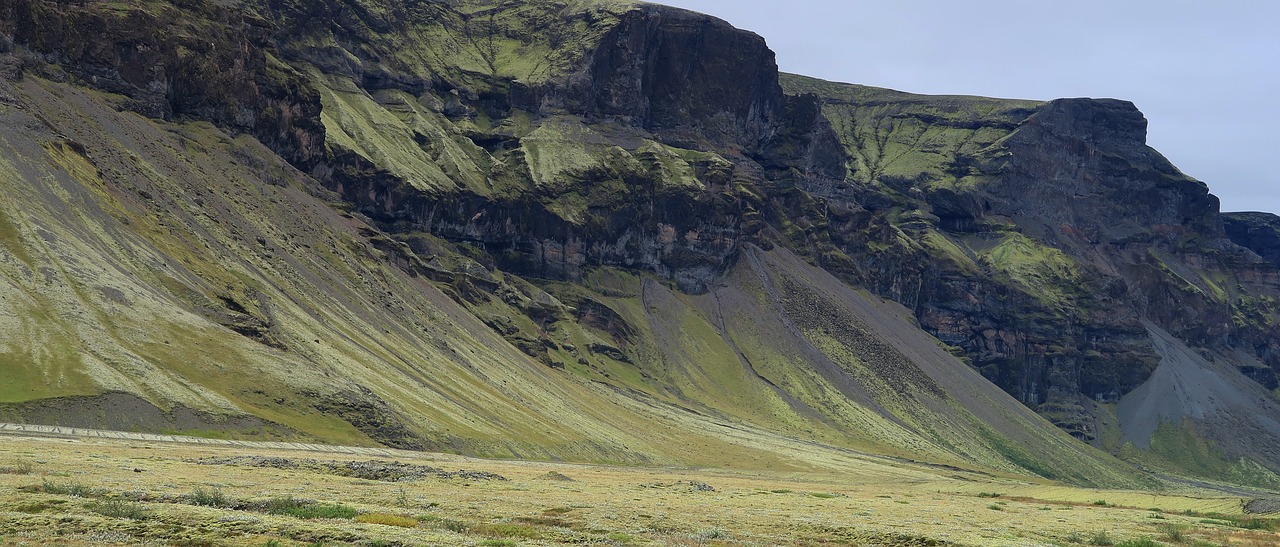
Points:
(1205, 73)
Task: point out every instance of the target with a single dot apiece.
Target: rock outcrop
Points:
(1258, 232)
(542, 171)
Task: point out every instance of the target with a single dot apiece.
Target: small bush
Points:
(451, 525)
(305, 509)
(989, 494)
(781, 491)
(18, 467)
(995, 507)
(388, 520)
(1101, 538)
(497, 543)
(325, 511)
(1140, 542)
(118, 508)
(1173, 532)
(1101, 503)
(213, 497)
(1075, 537)
(76, 489)
(618, 537)
(712, 533)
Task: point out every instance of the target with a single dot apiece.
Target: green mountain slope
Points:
(599, 231)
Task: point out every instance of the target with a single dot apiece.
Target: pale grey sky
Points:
(1205, 73)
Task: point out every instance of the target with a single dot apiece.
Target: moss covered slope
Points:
(604, 231)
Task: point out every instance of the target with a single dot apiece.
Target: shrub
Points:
(306, 509)
(388, 520)
(1101, 503)
(989, 494)
(497, 543)
(118, 508)
(1140, 542)
(76, 489)
(18, 467)
(213, 497)
(1173, 532)
(1101, 538)
(451, 525)
(995, 507)
(324, 511)
(712, 533)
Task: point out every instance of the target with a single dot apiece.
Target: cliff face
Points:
(627, 195)
(1258, 232)
(191, 60)
(1038, 239)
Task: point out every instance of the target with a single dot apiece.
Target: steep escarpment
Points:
(190, 60)
(606, 231)
(1036, 238)
(1258, 232)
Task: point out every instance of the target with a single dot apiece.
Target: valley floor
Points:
(100, 490)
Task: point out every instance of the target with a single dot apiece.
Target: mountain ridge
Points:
(519, 215)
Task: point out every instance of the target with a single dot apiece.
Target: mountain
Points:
(604, 231)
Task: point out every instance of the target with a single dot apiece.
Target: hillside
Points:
(608, 232)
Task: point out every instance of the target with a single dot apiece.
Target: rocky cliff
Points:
(515, 215)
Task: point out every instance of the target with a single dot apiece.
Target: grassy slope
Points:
(127, 262)
(167, 223)
(895, 136)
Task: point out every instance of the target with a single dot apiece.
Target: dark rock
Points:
(1258, 232)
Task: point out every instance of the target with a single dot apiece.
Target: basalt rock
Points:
(508, 155)
(1258, 232)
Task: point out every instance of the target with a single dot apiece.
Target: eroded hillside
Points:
(601, 231)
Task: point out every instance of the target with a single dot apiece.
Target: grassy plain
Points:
(95, 491)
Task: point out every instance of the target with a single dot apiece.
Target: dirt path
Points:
(59, 431)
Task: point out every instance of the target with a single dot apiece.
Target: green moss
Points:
(50, 369)
(900, 139)
(355, 121)
(1045, 273)
(1181, 449)
(1018, 455)
(941, 245)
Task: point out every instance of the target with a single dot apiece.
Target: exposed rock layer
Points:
(483, 146)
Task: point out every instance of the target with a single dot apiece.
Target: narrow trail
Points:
(80, 432)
